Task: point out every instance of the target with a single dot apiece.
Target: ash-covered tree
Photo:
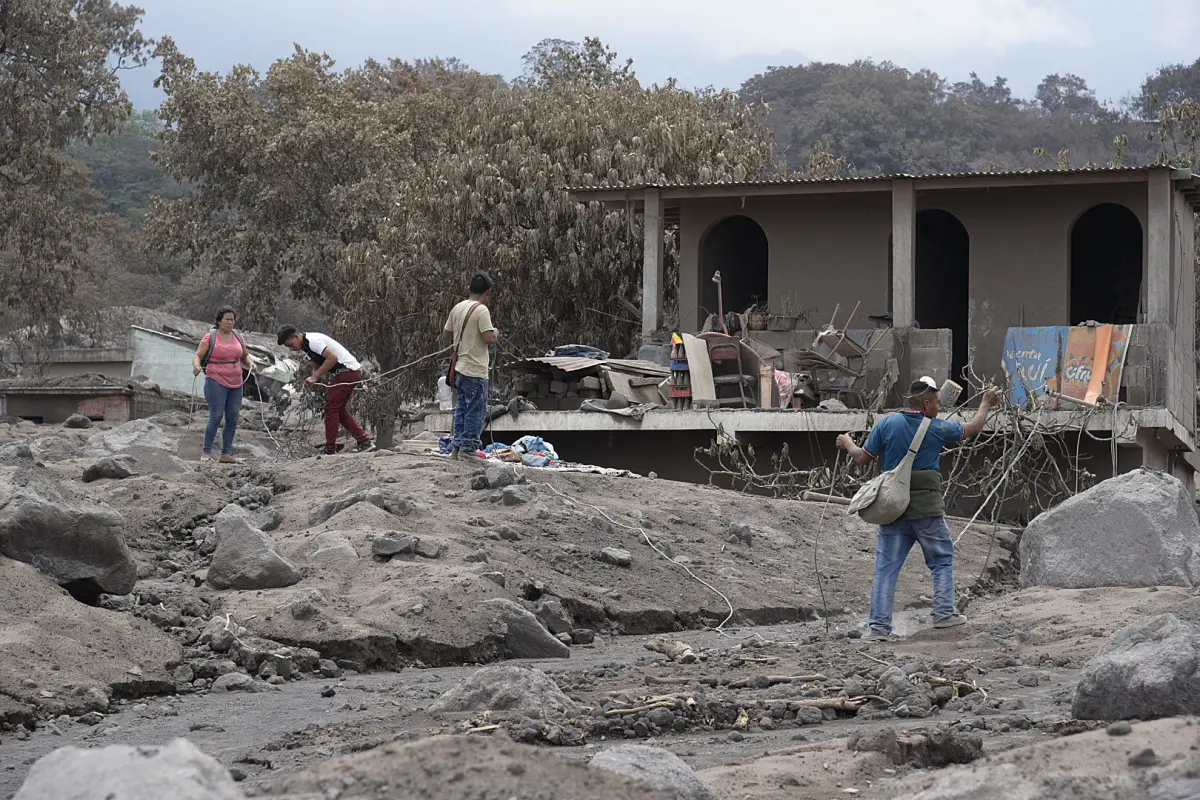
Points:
(495, 199)
(381, 189)
(59, 67)
(289, 168)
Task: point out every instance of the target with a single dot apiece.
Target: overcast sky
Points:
(1112, 44)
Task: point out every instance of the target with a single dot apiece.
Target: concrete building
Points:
(111, 362)
(957, 261)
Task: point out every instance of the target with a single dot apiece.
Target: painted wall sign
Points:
(1062, 359)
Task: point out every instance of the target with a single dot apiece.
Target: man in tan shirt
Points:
(469, 327)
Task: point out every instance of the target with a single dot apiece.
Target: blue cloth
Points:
(445, 445)
(470, 413)
(223, 402)
(893, 435)
(891, 549)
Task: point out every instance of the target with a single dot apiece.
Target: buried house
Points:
(860, 285)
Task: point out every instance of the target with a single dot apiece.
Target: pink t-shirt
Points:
(226, 374)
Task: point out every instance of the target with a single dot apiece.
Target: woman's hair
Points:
(222, 311)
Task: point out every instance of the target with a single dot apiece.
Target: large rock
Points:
(77, 421)
(178, 771)
(373, 495)
(1137, 529)
(138, 433)
(332, 549)
(524, 636)
(54, 448)
(49, 524)
(245, 557)
(1148, 669)
(506, 688)
(111, 467)
(459, 768)
(655, 766)
(897, 689)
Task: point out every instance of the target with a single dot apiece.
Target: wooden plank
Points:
(703, 391)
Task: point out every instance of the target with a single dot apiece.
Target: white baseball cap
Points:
(928, 381)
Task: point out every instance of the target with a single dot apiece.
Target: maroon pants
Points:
(337, 397)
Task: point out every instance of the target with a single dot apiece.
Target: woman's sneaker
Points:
(952, 621)
(365, 447)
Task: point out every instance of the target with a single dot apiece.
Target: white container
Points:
(445, 395)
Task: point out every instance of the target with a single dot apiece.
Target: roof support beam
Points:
(1158, 249)
(652, 264)
(904, 223)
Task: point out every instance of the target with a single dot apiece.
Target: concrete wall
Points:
(166, 361)
(111, 362)
(110, 369)
(1181, 364)
(54, 408)
(822, 251)
(834, 249)
(1021, 255)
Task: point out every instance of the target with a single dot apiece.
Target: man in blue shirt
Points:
(924, 522)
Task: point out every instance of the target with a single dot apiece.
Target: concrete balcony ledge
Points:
(1126, 422)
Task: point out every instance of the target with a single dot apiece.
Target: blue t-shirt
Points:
(893, 435)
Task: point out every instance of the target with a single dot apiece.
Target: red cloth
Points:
(337, 398)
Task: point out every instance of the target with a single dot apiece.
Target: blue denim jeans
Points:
(891, 549)
(470, 413)
(222, 402)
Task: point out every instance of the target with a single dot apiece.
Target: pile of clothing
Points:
(532, 451)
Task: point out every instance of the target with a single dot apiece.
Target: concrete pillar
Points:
(1154, 453)
(1158, 248)
(652, 264)
(904, 223)
(1184, 472)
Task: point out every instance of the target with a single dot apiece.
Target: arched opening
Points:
(1106, 266)
(737, 247)
(942, 255)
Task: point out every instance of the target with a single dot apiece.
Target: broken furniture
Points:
(563, 383)
(733, 385)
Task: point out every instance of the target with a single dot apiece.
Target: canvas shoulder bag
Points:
(883, 499)
(451, 371)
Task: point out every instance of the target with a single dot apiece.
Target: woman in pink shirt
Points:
(222, 366)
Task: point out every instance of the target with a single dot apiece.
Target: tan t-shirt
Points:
(473, 357)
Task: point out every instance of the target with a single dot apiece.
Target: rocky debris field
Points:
(346, 627)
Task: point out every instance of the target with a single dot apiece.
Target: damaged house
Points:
(848, 289)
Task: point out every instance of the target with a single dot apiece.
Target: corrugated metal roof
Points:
(563, 363)
(571, 364)
(866, 178)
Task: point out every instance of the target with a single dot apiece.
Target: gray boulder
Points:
(16, 454)
(54, 448)
(506, 688)
(1138, 529)
(655, 766)
(245, 557)
(138, 433)
(332, 549)
(111, 467)
(1148, 669)
(51, 525)
(77, 421)
(178, 771)
(551, 613)
(374, 495)
(897, 689)
(524, 636)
